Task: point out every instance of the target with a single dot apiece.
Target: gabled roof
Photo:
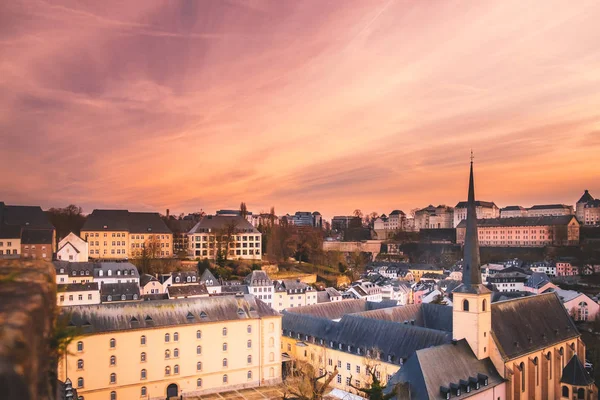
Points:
(575, 374)
(130, 290)
(77, 287)
(430, 369)
(292, 284)
(146, 279)
(338, 309)
(207, 277)
(530, 323)
(537, 280)
(513, 208)
(522, 221)
(68, 244)
(432, 316)
(585, 197)
(258, 278)
(397, 212)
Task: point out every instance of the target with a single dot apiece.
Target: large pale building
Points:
(233, 236)
(430, 217)
(588, 210)
(291, 293)
(164, 349)
(121, 234)
(484, 209)
(524, 231)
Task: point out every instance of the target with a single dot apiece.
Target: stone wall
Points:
(27, 312)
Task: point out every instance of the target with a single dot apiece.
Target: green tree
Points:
(439, 299)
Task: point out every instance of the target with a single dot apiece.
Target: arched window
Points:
(113, 343)
(549, 357)
(198, 334)
(123, 297)
(583, 311)
(271, 356)
(271, 342)
(465, 305)
(536, 371)
(224, 346)
(79, 364)
(189, 279)
(143, 340)
(581, 393)
(483, 305)
(113, 395)
(167, 354)
(199, 366)
(177, 280)
(176, 369)
(249, 374)
(167, 370)
(144, 391)
(249, 328)
(167, 337)
(565, 391)
(109, 298)
(143, 357)
(80, 346)
(522, 367)
(271, 372)
(143, 374)
(224, 331)
(198, 350)
(113, 360)
(199, 382)
(79, 382)
(224, 378)
(176, 337)
(224, 363)
(113, 378)
(176, 353)
(249, 344)
(249, 359)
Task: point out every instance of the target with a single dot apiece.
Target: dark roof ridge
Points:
(521, 298)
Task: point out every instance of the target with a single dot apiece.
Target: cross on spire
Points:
(472, 157)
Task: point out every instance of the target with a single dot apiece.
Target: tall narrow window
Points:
(79, 364)
(224, 378)
(167, 354)
(176, 353)
(198, 334)
(79, 346)
(176, 337)
(466, 305)
(537, 371)
(522, 367)
(198, 350)
(199, 382)
(113, 343)
(249, 374)
(483, 305)
(143, 357)
(143, 340)
(113, 395)
(143, 374)
(113, 378)
(176, 369)
(199, 366)
(224, 331)
(249, 360)
(224, 363)
(79, 382)
(167, 338)
(113, 360)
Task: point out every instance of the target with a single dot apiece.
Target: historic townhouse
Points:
(28, 228)
(160, 349)
(233, 236)
(290, 293)
(120, 234)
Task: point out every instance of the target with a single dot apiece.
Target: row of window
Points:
(79, 297)
(8, 252)
(231, 252)
(133, 237)
(8, 244)
(218, 238)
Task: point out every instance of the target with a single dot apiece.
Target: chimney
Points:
(167, 213)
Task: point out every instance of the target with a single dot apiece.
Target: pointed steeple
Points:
(471, 260)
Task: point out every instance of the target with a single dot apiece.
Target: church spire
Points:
(471, 261)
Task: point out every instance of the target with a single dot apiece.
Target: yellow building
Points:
(418, 270)
(290, 293)
(158, 349)
(120, 234)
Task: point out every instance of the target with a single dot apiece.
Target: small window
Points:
(176, 369)
(483, 305)
(224, 331)
(144, 391)
(143, 374)
(199, 366)
(167, 354)
(224, 363)
(167, 338)
(224, 346)
(113, 343)
(79, 382)
(113, 378)
(249, 360)
(198, 350)
(176, 353)
(167, 370)
(113, 395)
(79, 364)
(143, 340)
(466, 305)
(199, 382)
(143, 357)
(113, 360)
(80, 346)
(176, 337)
(249, 344)
(249, 374)
(198, 334)
(225, 379)
(249, 329)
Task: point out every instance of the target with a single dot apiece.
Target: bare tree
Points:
(243, 210)
(357, 213)
(304, 384)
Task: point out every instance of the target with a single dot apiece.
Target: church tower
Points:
(471, 314)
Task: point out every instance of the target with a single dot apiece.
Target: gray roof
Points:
(146, 279)
(183, 275)
(123, 220)
(337, 309)
(77, 287)
(31, 217)
(530, 323)
(430, 369)
(393, 339)
(575, 374)
(150, 314)
(213, 223)
(478, 203)
(130, 290)
(207, 276)
(513, 208)
(258, 278)
(522, 221)
(550, 207)
(288, 285)
(397, 212)
(187, 290)
(432, 316)
(585, 197)
(10, 231)
(37, 236)
(234, 289)
(537, 280)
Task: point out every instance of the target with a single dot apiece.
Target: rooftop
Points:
(213, 224)
(124, 220)
(521, 221)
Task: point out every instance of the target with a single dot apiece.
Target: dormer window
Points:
(109, 272)
(100, 273)
(62, 270)
(177, 280)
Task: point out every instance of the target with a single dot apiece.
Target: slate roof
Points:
(549, 207)
(212, 223)
(537, 280)
(585, 197)
(337, 309)
(429, 369)
(513, 208)
(575, 374)
(521, 221)
(187, 290)
(31, 217)
(488, 204)
(77, 287)
(146, 279)
(10, 231)
(234, 289)
(397, 212)
(183, 277)
(163, 313)
(393, 339)
(292, 286)
(207, 276)
(123, 220)
(530, 323)
(432, 316)
(130, 290)
(258, 278)
(37, 236)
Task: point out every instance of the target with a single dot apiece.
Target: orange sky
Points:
(312, 105)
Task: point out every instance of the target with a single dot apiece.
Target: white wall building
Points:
(78, 294)
(72, 248)
(484, 209)
(261, 286)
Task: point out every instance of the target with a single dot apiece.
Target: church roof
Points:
(575, 374)
(530, 323)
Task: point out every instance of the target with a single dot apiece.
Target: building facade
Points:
(485, 210)
(159, 349)
(73, 248)
(290, 293)
(232, 237)
(78, 294)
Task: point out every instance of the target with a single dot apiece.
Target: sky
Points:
(311, 105)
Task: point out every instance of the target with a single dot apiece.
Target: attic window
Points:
(148, 318)
(105, 227)
(203, 315)
(240, 312)
(133, 319)
(190, 315)
(149, 229)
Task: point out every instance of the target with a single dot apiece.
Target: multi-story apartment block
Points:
(260, 285)
(513, 211)
(78, 294)
(566, 268)
(544, 267)
(366, 291)
(164, 349)
(431, 217)
(485, 210)
(233, 236)
(73, 248)
(340, 223)
(121, 234)
(306, 218)
(36, 233)
(549, 210)
(290, 293)
(524, 231)
(385, 226)
(509, 281)
(99, 272)
(10, 241)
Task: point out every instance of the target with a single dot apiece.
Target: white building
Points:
(260, 285)
(72, 248)
(544, 267)
(290, 293)
(78, 294)
(115, 272)
(484, 209)
(367, 291)
(399, 292)
(233, 236)
(213, 285)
